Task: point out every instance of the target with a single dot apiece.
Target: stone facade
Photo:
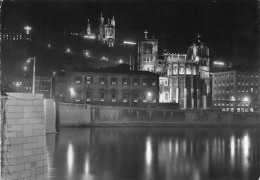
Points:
(24, 152)
(147, 54)
(97, 86)
(184, 78)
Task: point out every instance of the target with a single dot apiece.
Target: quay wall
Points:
(24, 153)
(73, 114)
(50, 115)
(93, 115)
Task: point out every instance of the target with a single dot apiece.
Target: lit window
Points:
(153, 82)
(102, 80)
(144, 82)
(113, 96)
(136, 82)
(88, 80)
(102, 96)
(125, 97)
(78, 80)
(89, 96)
(136, 97)
(125, 81)
(113, 80)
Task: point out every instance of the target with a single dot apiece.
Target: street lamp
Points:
(34, 61)
(131, 44)
(120, 61)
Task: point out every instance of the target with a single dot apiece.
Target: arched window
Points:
(188, 70)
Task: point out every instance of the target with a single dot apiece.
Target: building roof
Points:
(120, 69)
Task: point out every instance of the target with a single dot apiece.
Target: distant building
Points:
(107, 86)
(184, 78)
(9, 37)
(235, 90)
(24, 84)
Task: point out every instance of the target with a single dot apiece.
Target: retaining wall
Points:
(24, 152)
(71, 114)
(50, 115)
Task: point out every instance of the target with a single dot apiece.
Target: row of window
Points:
(228, 81)
(114, 98)
(247, 75)
(114, 81)
(238, 109)
(224, 74)
(223, 104)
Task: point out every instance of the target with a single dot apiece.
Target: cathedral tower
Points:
(147, 54)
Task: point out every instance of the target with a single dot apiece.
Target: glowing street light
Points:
(28, 29)
(68, 50)
(25, 68)
(232, 98)
(34, 61)
(129, 42)
(72, 92)
(120, 61)
(246, 99)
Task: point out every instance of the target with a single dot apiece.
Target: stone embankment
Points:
(92, 115)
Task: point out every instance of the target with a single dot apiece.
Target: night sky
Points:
(228, 27)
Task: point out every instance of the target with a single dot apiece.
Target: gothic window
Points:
(148, 48)
(181, 70)
(188, 70)
(175, 70)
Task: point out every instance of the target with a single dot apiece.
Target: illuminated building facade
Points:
(235, 90)
(184, 78)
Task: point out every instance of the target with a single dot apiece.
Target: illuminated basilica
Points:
(105, 33)
(185, 78)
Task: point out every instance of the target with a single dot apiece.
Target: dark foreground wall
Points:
(90, 115)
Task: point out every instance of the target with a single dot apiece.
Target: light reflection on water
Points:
(154, 153)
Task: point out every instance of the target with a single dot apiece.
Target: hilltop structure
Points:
(105, 33)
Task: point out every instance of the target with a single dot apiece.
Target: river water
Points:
(132, 153)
